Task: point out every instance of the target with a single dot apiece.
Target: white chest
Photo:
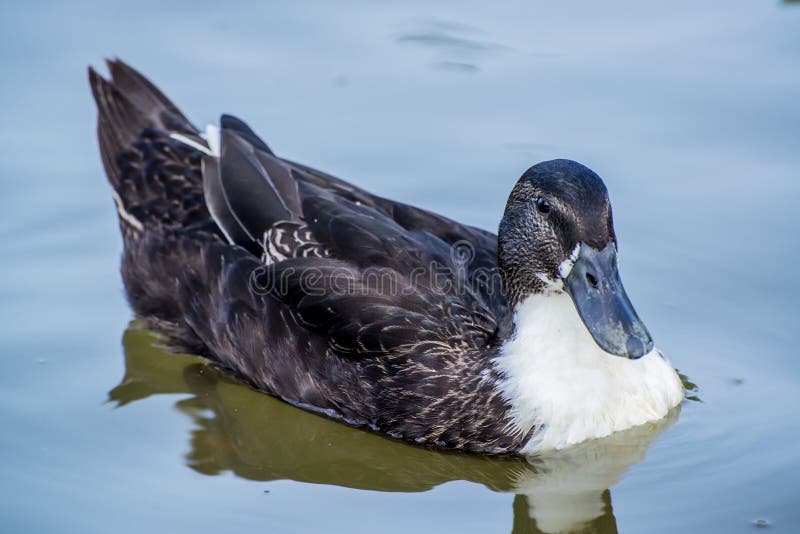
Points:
(558, 380)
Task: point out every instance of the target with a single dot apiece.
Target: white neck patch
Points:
(560, 382)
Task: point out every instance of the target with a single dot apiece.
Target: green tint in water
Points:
(257, 437)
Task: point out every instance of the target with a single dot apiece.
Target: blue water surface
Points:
(690, 111)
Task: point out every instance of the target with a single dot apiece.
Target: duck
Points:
(372, 312)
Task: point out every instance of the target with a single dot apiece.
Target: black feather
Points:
(315, 322)
(234, 124)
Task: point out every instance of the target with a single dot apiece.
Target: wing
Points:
(371, 275)
(377, 310)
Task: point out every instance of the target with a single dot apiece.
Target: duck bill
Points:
(601, 301)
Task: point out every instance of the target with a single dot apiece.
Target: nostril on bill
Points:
(592, 280)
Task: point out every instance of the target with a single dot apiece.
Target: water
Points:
(689, 111)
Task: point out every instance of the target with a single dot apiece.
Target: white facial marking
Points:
(560, 383)
(565, 267)
(550, 285)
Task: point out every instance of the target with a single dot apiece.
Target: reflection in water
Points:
(258, 437)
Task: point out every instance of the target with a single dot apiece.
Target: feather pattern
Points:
(278, 273)
(369, 311)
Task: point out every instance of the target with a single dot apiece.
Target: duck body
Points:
(366, 310)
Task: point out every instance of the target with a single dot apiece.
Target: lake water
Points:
(690, 111)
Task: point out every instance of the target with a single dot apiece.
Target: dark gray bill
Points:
(604, 307)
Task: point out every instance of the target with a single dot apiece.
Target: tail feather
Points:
(156, 180)
(119, 122)
(127, 105)
(147, 97)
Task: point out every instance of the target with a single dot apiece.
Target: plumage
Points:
(311, 289)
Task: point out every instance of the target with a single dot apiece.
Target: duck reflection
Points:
(260, 438)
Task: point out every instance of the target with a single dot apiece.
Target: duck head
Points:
(557, 235)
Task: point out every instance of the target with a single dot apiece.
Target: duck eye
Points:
(542, 205)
